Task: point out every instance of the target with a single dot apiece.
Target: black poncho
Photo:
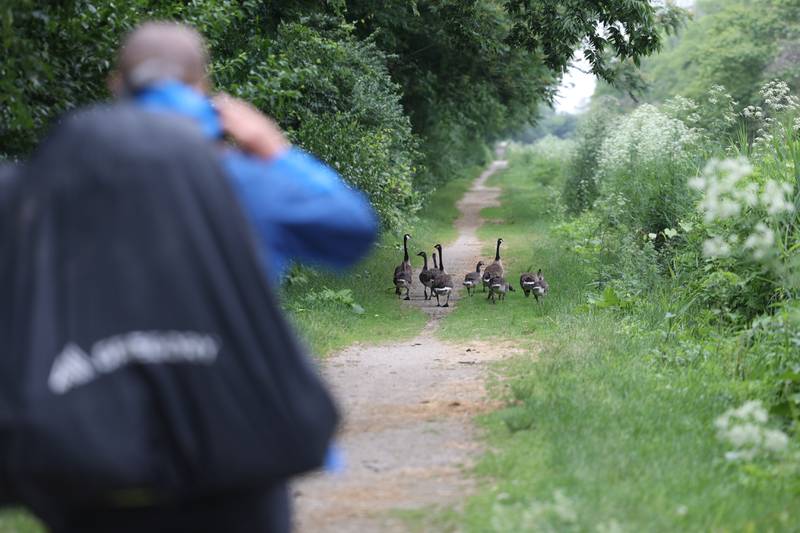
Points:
(142, 354)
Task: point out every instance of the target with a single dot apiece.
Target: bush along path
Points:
(603, 427)
(408, 435)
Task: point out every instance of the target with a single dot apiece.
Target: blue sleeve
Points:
(302, 210)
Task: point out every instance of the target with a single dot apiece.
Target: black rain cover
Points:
(140, 345)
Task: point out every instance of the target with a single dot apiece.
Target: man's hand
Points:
(253, 131)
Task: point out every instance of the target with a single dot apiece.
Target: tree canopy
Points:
(398, 98)
(739, 44)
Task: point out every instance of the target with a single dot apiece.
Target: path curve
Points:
(408, 407)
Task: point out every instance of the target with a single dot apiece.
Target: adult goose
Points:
(443, 282)
(426, 275)
(403, 273)
(495, 268)
(472, 279)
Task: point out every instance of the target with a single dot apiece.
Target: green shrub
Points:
(580, 189)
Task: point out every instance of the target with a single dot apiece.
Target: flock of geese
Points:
(440, 282)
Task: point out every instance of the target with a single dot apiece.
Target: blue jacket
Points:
(300, 208)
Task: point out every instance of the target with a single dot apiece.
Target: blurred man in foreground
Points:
(150, 382)
(300, 208)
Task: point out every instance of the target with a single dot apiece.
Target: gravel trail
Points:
(408, 436)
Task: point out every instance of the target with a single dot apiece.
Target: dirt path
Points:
(408, 433)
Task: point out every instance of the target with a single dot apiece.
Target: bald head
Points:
(160, 51)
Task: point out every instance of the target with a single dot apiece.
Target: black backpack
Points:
(141, 349)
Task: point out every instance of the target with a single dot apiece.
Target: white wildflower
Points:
(744, 435)
(746, 455)
(775, 197)
(716, 247)
(760, 242)
(722, 196)
(777, 96)
(647, 137)
(697, 183)
(744, 429)
(747, 195)
(775, 440)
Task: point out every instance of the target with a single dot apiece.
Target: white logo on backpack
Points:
(73, 367)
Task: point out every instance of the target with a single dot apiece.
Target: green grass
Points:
(13, 521)
(331, 325)
(597, 436)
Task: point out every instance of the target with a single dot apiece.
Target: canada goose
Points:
(498, 286)
(426, 275)
(403, 273)
(495, 268)
(472, 279)
(443, 282)
(527, 280)
(541, 287)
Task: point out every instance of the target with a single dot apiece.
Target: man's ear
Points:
(115, 84)
(204, 85)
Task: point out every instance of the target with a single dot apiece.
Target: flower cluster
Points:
(778, 97)
(684, 109)
(778, 101)
(753, 111)
(744, 428)
(727, 194)
(761, 241)
(645, 137)
(724, 195)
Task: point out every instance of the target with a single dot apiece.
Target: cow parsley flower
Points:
(775, 197)
(761, 241)
(719, 183)
(716, 247)
(775, 440)
(646, 137)
(777, 96)
(744, 429)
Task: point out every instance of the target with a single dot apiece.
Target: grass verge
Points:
(597, 435)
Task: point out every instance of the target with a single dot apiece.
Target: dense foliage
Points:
(678, 218)
(611, 374)
(398, 98)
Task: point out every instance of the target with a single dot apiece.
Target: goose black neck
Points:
(478, 268)
(441, 260)
(425, 261)
(497, 253)
(435, 266)
(405, 248)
